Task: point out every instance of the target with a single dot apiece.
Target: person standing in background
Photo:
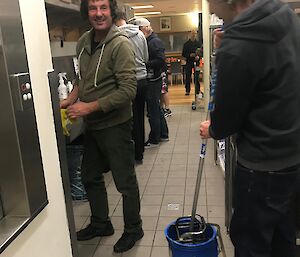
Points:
(257, 98)
(191, 56)
(158, 125)
(106, 87)
(139, 43)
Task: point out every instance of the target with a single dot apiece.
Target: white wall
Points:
(179, 23)
(68, 49)
(47, 235)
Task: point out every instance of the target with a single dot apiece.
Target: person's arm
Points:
(218, 36)
(184, 52)
(159, 53)
(145, 48)
(233, 96)
(80, 109)
(72, 97)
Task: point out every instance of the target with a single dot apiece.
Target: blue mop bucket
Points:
(208, 248)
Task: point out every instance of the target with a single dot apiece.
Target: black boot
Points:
(127, 241)
(91, 231)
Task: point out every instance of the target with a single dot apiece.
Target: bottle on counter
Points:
(69, 86)
(62, 88)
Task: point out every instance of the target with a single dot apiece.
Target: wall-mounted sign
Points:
(165, 24)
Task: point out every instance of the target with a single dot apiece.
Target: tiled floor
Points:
(168, 176)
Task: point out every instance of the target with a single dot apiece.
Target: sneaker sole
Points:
(151, 146)
(95, 235)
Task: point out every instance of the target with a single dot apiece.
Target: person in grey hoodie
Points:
(257, 97)
(139, 43)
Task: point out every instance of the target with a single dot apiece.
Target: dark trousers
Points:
(111, 149)
(138, 108)
(263, 223)
(157, 121)
(188, 73)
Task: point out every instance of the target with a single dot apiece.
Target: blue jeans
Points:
(153, 107)
(263, 221)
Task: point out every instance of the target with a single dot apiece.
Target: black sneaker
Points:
(127, 241)
(187, 93)
(90, 231)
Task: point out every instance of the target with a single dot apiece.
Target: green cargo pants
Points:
(111, 149)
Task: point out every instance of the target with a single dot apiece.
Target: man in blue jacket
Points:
(257, 98)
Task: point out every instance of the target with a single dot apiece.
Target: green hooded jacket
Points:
(107, 75)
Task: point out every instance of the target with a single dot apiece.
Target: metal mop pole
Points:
(203, 151)
(198, 181)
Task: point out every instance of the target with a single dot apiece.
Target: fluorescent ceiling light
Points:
(146, 13)
(194, 16)
(142, 7)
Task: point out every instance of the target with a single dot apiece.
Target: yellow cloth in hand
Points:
(65, 121)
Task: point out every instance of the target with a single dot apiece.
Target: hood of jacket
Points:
(257, 22)
(130, 30)
(139, 43)
(85, 42)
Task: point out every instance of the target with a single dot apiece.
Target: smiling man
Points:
(106, 87)
(257, 97)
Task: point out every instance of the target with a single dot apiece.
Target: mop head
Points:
(186, 234)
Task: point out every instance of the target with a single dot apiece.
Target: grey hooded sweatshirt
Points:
(139, 42)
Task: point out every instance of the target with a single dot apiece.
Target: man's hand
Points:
(64, 103)
(71, 98)
(204, 129)
(80, 109)
(218, 36)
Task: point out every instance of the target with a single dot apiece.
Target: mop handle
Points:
(203, 150)
(198, 181)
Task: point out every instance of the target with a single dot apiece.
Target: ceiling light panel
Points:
(142, 7)
(146, 13)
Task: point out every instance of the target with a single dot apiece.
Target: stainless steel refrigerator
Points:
(22, 185)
